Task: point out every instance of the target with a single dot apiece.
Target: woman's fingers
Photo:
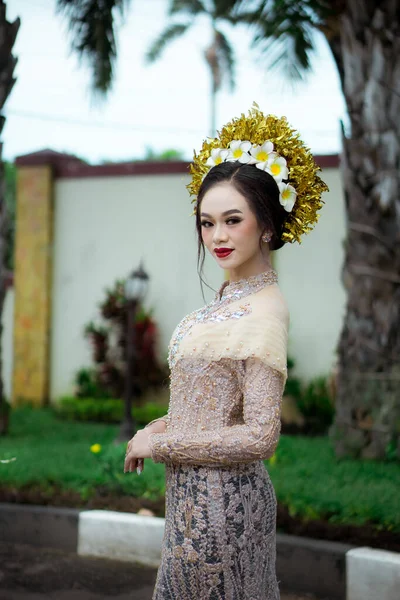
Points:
(130, 463)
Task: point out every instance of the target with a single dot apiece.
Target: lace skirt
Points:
(220, 534)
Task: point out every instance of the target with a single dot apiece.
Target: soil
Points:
(365, 535)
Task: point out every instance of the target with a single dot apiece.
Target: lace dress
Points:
(228, 370)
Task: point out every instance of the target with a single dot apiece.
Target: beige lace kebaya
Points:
(228, 370)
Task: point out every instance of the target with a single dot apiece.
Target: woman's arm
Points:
(256, 439)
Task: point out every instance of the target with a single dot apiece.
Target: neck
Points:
(254, 267)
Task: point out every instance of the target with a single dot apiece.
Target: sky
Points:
(161, 106)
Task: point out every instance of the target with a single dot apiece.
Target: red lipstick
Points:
(223, 252)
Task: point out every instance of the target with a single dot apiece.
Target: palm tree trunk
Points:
(212, 59)
(367, 420)
(8, 33)
(213, 101)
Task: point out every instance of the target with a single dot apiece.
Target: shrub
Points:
(106, 410)
(293, 384)
(87, 385)
(109, 346)
(316, 405)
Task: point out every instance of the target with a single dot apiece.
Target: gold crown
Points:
(302, 178)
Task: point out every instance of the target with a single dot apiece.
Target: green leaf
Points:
(93, 36)
(172, 32)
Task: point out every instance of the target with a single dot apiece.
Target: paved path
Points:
(28, 573)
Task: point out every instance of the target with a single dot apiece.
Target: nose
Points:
(220, 234)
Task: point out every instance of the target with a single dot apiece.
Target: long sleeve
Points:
(256, 438)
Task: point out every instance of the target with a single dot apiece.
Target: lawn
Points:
(309, 482)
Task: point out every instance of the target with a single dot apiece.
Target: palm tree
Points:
(8, 33)
(364, 41)
(92, 24)
(219, 54)
(365, 44)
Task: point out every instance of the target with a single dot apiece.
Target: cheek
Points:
(206, 235)
(246, 232)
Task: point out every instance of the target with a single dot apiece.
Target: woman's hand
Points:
(138, 449)
(157, 427)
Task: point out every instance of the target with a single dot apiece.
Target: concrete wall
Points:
(105, 225)
(310, 278)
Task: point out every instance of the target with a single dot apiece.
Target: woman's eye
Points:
(206, 224)
(234, 220)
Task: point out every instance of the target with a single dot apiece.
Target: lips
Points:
(223, 252)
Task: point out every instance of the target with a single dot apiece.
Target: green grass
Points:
(313, 483)
(306, 476)
(50, 451)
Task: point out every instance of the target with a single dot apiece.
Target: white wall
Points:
(310, 279)
(104, 226)
(7, 342)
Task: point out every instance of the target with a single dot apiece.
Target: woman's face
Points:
(227, 223)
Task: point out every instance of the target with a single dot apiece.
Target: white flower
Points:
(287, 196)
(276, 166)
(261, 154)
(4, 461)
(218, 155)
(239, 150)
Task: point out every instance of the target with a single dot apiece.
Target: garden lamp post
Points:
(136, 286)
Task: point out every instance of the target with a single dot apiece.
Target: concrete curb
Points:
(327, 569)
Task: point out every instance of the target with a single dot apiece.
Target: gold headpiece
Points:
(270, 144)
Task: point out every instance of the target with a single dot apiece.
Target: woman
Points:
(255, 187)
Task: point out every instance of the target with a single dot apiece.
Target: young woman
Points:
(255, 187)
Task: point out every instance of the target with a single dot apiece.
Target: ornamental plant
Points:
(108, 340)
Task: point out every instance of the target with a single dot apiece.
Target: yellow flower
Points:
(272, 460)
(96, 448)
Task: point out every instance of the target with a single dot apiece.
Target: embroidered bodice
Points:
(228, 370)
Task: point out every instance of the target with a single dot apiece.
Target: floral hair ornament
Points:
(270, 144)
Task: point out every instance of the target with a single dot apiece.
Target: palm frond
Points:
(192, 7)
(92, 27)
(170, 33)
(283, 31)
(224, 9)
(226, 58)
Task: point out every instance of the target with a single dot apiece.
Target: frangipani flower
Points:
(261, 153)
(239, 150)
(276, 166)
(287, 196)
(218, 155)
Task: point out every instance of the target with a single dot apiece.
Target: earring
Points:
(266, 237)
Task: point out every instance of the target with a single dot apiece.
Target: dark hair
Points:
(261, 192)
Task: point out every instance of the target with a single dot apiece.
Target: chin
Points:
(228, 264)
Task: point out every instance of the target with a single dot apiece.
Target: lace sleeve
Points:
(255, 439)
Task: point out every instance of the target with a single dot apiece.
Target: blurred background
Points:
(155, 106)
(109, 101)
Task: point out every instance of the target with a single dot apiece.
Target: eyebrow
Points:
(224, 214)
